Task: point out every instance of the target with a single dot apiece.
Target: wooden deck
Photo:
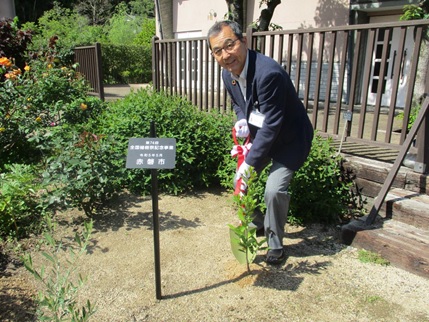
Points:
(367, 151)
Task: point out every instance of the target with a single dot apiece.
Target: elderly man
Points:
(269, 110)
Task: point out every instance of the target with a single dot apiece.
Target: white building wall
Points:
(199, 15)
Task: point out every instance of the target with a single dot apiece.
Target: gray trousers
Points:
(277, 201)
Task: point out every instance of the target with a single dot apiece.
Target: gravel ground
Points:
(321, 280)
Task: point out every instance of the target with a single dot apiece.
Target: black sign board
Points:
(151, 153)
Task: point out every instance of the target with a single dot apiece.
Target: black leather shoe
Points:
(272, 258)
(260, 232)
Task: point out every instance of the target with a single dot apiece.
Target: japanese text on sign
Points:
(151, 153)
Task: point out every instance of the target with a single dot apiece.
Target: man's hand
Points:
(241, 128)
(243, 171)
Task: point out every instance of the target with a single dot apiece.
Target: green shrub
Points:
(71, 29)
(144, 38)
(83, 171)
(123, 26)
(414, 112)
(126, 64)
(21, 201)
(319, 191)
(202, 139)
(35, 101)
(415, 12)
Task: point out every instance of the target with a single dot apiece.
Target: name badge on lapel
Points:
(256, 118)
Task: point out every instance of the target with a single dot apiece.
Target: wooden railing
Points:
(89, 65)
(357, 82)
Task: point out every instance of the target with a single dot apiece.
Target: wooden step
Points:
(408, 207)
(403, 245)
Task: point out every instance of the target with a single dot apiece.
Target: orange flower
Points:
(5, 62)
(13, 74)
(10, 75)
(83, 106)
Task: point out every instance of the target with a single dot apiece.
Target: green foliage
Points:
(97, 11)
(318, 190)
(71, 29)
(59, 279)
(126, 64)
(123, 27)
(143, 8)
(202, 139)
(226, 173)
(44, 113)
(371, 257)
(84, 171)
(414, 12)
(417, 12)
(415, 109)
(126, 39)
(414, 112)
(245, 235)
(21, 201)
(34, 102)
(144, 38)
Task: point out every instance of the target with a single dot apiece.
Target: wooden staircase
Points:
(400, 232)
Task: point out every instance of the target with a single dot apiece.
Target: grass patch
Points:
(373, 299)
(370, 257)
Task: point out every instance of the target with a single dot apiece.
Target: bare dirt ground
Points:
(321, 280)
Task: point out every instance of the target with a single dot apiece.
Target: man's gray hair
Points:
(217, 28)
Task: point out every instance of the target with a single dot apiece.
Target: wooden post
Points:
(99, 71)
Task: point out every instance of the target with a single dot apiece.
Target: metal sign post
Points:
(153, 153)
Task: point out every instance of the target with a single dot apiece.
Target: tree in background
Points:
(123, 27)
(144, 8)
(144, 38)
(236, 12)
(32, 10)
(98, 11)
(74, 28)
(71, 28)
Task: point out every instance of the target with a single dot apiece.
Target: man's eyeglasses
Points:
(228, 47)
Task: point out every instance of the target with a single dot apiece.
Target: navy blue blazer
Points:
(286, 133)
